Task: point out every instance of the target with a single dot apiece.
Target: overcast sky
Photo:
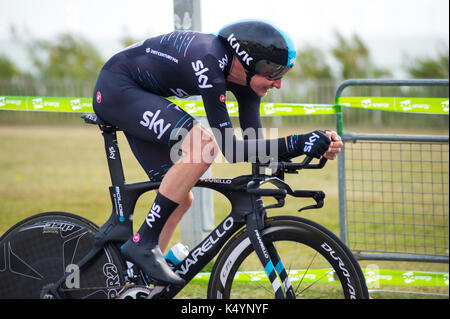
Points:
(391, 28)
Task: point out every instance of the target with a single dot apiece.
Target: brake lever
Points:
(318, 205)
(318, 196)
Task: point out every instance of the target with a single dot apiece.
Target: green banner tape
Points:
(397, 104)
(84, 105)
(374, 277)
(266, 109)
(48, 104)
(405, 278)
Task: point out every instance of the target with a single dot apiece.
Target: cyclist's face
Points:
(261, 85)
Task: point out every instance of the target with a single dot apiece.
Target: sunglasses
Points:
(270, 70)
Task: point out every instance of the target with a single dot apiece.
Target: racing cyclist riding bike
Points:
(247, 58)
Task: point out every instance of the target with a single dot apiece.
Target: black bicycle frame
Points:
(247, 209)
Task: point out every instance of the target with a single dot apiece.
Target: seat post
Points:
(113, 155)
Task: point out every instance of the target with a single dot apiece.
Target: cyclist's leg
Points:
(153, 119)
(173, 221)
(156, 166)
(175, 187)
(178, 178)
(199, 150)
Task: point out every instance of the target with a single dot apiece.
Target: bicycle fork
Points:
(268, 254)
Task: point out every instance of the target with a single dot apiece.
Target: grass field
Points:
(63, 168)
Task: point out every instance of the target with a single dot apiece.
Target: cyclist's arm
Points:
(249, 102)
(213, 95)
(234, 149)
(212, 87)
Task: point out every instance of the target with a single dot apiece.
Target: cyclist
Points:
(247, 58)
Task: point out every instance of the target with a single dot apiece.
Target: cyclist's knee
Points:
(200, 146)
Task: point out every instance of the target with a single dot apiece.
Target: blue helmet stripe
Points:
(292, 53)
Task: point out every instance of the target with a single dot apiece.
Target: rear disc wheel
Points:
(38, 251)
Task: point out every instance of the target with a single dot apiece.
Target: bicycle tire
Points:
(37, 251)
(341, 278)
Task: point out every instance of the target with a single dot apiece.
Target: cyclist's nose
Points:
(277, 83)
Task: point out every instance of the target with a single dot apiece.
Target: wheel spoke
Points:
(312, 284)
(304, 274)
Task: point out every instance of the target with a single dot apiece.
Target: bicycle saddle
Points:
(92, 118)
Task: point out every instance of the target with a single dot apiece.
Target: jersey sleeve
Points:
(249, 104)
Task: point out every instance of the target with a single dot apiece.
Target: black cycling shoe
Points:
(151, 261)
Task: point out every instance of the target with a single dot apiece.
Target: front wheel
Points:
(38, 251)
(317, 263)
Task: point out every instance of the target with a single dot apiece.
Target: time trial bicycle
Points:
(62, 255)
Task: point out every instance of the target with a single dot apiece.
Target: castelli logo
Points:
(99, 97)
(136, 237)
(222, 98)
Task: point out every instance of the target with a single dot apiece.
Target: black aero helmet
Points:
(261, 47)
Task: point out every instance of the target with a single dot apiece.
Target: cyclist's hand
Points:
(335, 145)
(315, 144)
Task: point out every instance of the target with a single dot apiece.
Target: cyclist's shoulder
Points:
(205, 44)
(210, 41)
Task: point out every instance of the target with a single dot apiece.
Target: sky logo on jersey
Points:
(200, 69)
(223, 63)
(236, 46)
(151, 121)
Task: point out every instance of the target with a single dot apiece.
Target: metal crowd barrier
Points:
(394, 190)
